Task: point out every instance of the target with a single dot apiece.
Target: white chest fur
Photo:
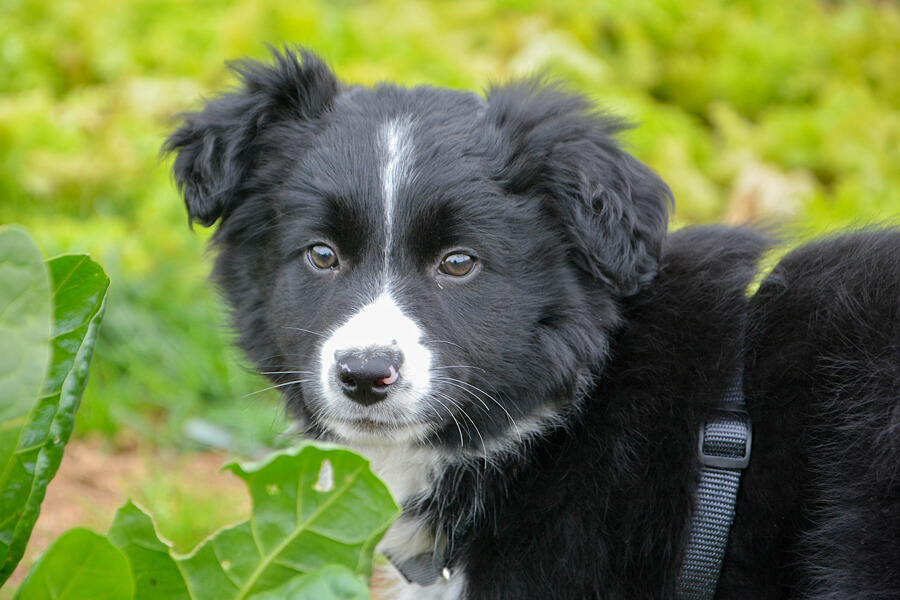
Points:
(388, 584)
(408, 472)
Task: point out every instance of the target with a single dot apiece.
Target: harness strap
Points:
(723, 452)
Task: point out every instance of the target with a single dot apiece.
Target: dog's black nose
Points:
(367, 377)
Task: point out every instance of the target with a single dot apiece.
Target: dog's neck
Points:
(444, 493)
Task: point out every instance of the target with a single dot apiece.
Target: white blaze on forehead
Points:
(380, 324)
(396, 143)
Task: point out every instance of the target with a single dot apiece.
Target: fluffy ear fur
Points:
(216, 147)
(614, 208)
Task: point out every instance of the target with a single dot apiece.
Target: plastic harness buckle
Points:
(725, 441)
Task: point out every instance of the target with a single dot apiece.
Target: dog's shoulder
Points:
(687, 327)
(704, 274)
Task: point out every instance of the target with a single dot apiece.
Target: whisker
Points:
(460, 383)
(286, 372)
(450, 412)
(486, 408)
(443, 342)
(276, 361)
(434, 410)
(276, 386)
(466, 415)
(458, 367)
(467, 384)
(477, 388)
(306, 331)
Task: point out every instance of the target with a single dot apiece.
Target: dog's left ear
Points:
(614, 208)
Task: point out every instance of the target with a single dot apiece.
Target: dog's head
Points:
(418, 264)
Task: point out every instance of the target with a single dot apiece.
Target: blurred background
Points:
(783, 112)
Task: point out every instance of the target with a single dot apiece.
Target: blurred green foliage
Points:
(784, 111)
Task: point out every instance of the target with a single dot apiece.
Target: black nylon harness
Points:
(723, 452)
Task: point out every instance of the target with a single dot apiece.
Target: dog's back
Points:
(819, 510)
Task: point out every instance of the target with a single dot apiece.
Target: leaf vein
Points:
(268, 559)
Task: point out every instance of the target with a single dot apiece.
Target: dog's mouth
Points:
(368, 425)
(366, 429)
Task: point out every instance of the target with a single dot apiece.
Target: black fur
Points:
(583, 308)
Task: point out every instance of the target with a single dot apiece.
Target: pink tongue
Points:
(389, 380)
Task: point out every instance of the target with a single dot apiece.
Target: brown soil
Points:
(95, 478)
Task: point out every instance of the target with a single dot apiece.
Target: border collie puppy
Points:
(479, 293)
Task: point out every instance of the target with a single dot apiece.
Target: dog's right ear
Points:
(216, 148)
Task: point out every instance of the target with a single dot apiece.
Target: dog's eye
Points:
(322, 257)
(457, 264)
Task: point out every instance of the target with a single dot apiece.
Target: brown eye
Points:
(322, 257)
(457, 264)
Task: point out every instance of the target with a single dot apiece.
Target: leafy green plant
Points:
(799, 89)
(318, 512)
(80, 564)
(49, 315)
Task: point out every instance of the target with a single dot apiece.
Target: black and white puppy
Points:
(480, 294)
